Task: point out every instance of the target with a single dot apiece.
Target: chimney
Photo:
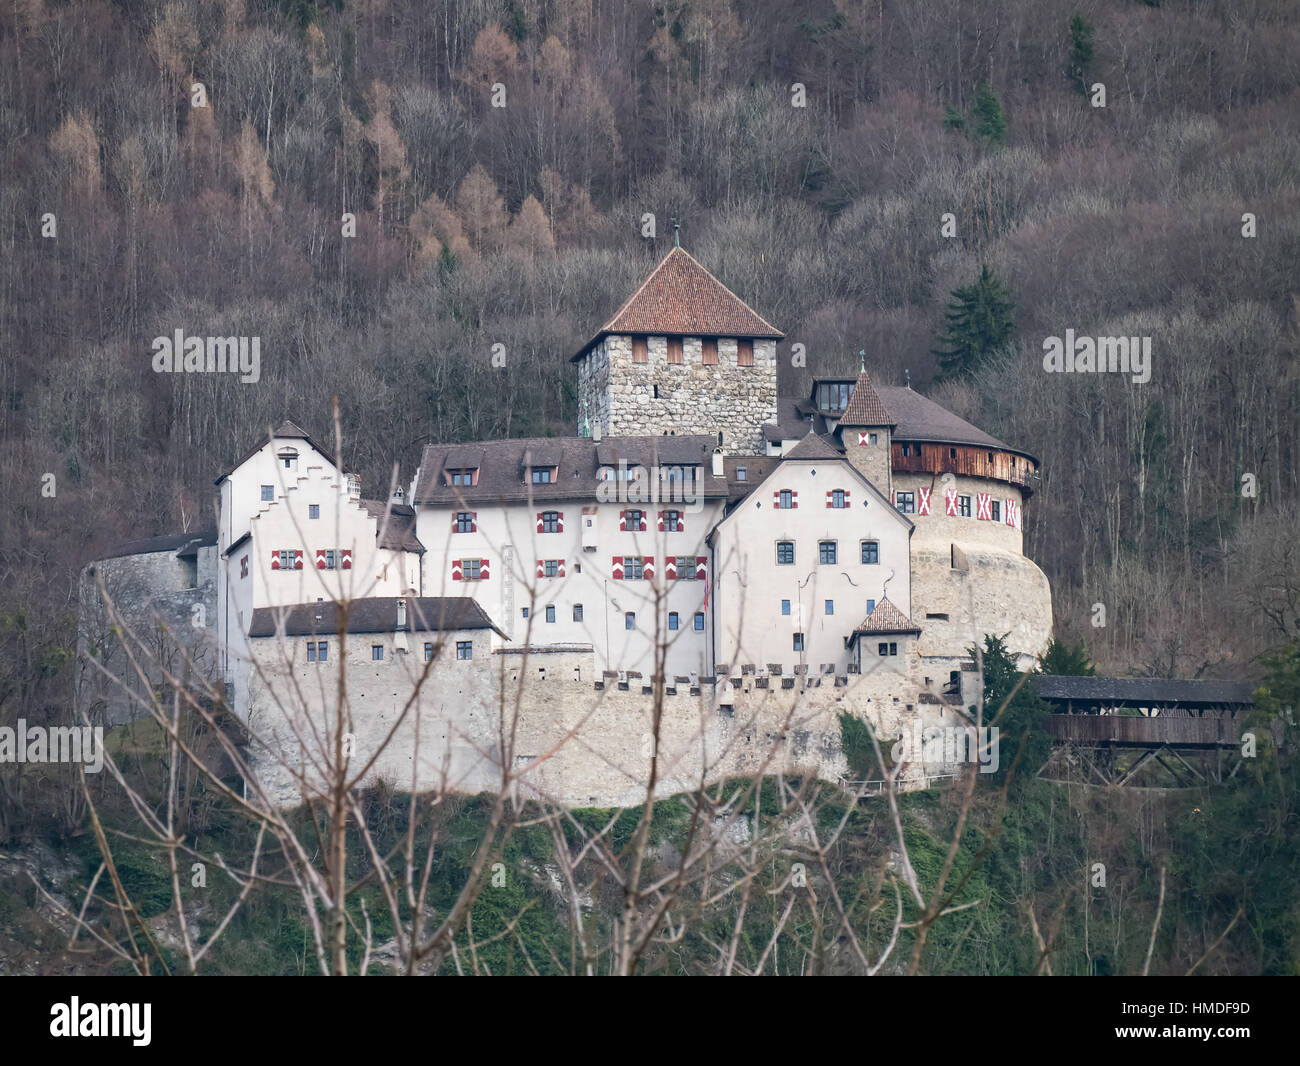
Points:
(399, 497)
(717, 462)
(401, 614)
(595, 432)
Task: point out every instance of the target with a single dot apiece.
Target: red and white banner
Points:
(922, 501)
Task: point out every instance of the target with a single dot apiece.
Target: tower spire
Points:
(862, 360)
(677, 232)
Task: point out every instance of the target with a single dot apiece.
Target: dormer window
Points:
(833, 395)
(543, 475)
(462, 477)
(288, 458)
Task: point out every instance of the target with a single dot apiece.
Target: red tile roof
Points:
(886, 618)
(681, 298)
(865, 407)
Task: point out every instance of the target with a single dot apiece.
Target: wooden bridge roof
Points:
(1143, 691)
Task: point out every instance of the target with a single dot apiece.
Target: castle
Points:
(751, 563)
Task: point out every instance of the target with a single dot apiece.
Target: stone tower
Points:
(683, 355)
(866, 429)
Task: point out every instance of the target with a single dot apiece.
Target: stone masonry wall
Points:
(692, 398)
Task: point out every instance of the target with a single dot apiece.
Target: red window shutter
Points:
(473, 522)
(622, 521)
(649, 569)
(922, 501)
(670, 568)
(794, 499)
(846, 497)
(483, 570)
(863, 438)
(540, 523)
(275, 560)
(661, 521)
(830, 502)
(320, 558)
(776, 498)
(561, 568)
(297, 558)
(616, 569)
(559, 525)
(701, 566)
(346, 554)
(456, 570)
(541, 567)
(950, 502)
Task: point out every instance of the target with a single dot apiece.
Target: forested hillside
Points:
(388, 192)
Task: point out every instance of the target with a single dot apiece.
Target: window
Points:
(905, 502)
(906, 450)
(785, 500)
(268, 492)
(329, 559)
(464, 521)
(541, 477)
(472, 569)
(871, 606)
(672, 521)
(826, 552)
(742, 474)
(830, 606)
(524, 610)
(871, 552)
(313, 510)
(322, 651)
(785, 552)
(640, 350)
(744, 353)
(243, 566)
(376, 652)
(633, 568)
(699, 622)
(629, 620)
(286, 558)
(635, 520)
(550, 612)
(709, 352)
(785, 606)
(887, 649)
(833, 396)
(963, 506)
(577, 612)
(428, 651)
(938, 617)
(952, 453)
(464, 649)
(798, 642)
(311, 651)
(550, 521)
(871, 438)
(674, 349)
(551, 568)
(837, 499)
(686, 568)
(672, 619)
(462, 477)
(995, 510)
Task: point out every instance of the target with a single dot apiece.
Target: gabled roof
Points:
(398, 533)
(373, 614)
(864, 407)
(919, 419)
(287, 430)
(813, 446)
(885, 618)
(681, 298)
(576, 460)
(182, 544)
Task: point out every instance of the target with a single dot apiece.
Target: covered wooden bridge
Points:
(1111, 728)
